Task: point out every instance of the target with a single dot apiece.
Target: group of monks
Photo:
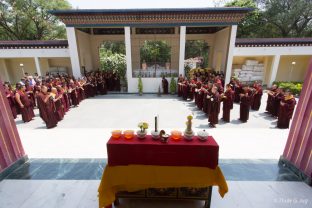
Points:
(281, 105)
(207, 89)
(55, 95)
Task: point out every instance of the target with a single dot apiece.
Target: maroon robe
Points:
(74, 95)
(227, 105)
(200, 98)
(276, 103)
(285, 112)
(205, 100)
(244, 107)
(47, 110)
(27, 111)
(269, 106)
(165, 85)
(59, 108)
(237, 91)
(185, 89)
(256, 102)
(179, 90)
(12, 102)
(214, 109)
(31, 95)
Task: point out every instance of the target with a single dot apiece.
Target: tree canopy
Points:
(275, 18)
(30, 20)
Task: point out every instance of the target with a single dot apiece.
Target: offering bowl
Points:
(129, 134)
(116, 134)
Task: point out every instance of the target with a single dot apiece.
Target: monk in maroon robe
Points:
(46, 107)
(227, 99)
(237, 91)
(24, 103)
(257, 95)
(269, 106)
(214, 108)
(30, 92)
(245, 104)
(59, 108)
(277, 97)
(73, 94)
(165, 85)
(286, 110)
(10, 96)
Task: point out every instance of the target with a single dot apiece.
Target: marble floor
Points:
(66, 163)
(92, 169)
(83, 194)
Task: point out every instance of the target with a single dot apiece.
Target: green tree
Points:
(155, 52)
(197, 48)
(249, 26)
(275, 18)
(289, 18)
(31, 20)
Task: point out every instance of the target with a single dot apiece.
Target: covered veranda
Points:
(88, 29)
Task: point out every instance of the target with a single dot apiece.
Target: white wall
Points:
(31, 53)
(220, 48)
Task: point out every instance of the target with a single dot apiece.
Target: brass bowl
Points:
(129, 134)
(116, 134)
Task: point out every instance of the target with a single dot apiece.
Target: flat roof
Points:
(33, 44)
(152, 16)
(274, 42)
(148, 10)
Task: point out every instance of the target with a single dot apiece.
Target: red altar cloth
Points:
(174, 153)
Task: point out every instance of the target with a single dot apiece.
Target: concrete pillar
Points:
(11, 148)
(276, 60)
(228, 71)
(4, 75)
(38, 67)
(297, 154)
(182, 49)
(73, 51)
(128, 54)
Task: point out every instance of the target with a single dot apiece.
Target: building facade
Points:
(87, 30)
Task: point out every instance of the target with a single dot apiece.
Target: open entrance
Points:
(112, 57)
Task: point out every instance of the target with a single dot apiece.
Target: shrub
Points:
(173, 85)
(140, 85)
(294, 87)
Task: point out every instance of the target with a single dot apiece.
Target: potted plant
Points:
(173, 85)
(142, 132)
(140, 86)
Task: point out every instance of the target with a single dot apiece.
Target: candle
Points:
(155, 123)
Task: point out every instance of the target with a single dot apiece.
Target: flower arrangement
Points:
(143, 126)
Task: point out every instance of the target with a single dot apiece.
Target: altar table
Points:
(127, 171)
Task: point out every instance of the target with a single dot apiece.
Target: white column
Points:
(229, 63)
(182, 49)
(128, 55)
(38, 68)
(73, 51)
(276, 60)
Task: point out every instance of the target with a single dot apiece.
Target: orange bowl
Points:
(116, 134)
(176, 135)
(129, 134)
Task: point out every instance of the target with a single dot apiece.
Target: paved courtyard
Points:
(66, 162)
(85, 130)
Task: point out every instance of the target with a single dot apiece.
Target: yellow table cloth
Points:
(139, 177)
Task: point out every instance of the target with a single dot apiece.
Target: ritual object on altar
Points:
(129, 134)
(163, 136)
(176, 135)
(116, 134)
(189, 133)
(142, 132)
(155, 133)
(203, 135)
